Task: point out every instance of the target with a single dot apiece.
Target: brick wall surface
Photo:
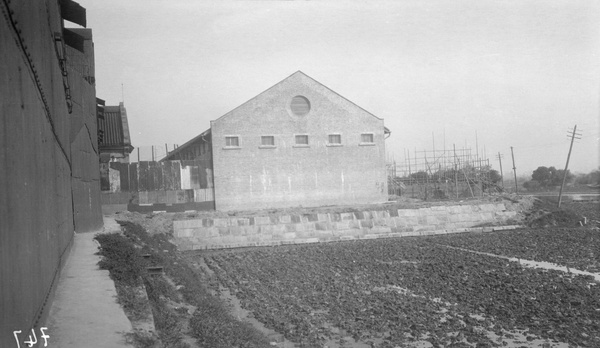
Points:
(217, 233)
(252, 176)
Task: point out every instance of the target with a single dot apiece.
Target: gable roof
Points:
(173, 154)
(285, 79)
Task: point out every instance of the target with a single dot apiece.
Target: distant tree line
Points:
(550, 178)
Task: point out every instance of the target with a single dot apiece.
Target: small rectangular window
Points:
(301, 139)
(335, 139)
(267, 140)
(232, 141)
(366, 138)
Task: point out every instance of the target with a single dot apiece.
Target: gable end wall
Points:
(255, 177)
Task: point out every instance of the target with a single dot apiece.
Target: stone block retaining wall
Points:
(219, 233)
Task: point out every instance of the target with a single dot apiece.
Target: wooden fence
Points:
(147, 182)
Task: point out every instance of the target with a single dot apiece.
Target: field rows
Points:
(392, 292)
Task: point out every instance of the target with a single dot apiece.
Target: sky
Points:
(484, 75)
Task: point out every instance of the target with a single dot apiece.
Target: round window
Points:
(300, 105)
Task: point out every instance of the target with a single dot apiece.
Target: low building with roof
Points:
(298, 143)
(114, 141)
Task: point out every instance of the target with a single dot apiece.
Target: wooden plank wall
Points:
(163, 176)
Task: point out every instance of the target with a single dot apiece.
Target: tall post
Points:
(138, 154)
(567, 165)
(455, 170)
(152, 153)
(501, 173)
(166, 150)
(514, 170)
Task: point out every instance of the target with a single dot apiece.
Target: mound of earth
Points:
(559, 218)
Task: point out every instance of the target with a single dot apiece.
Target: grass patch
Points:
(120, 258)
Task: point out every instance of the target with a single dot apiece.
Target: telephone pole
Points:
(573, 137)
(514, 170)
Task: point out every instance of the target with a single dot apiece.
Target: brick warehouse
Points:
(296, 144)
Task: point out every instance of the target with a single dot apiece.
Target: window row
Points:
(300, 140)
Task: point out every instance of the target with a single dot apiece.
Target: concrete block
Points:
(212, 232)
(342, 225)
(279, 229)
(393, 212)
(188, 223)
(369, 236)
(223, 231)
(466, 209)
(250, 230)
(424, 211)
(285, 219)
(407, 212)
(487, 216)
(291, 227)
(335, 217)
(203, 233)
(296, 219)
(391, 222)
(366, 223)
(312, 217)
(323, 217)
(289, 235)
(261, 220)
(400, 221)
(442, 218)
(354, 224)
(220, 222)
(431, 220)
(438, 208)
(499, 207)
(235, 230)
(347, 216)
(207, 222)
(487, 207)
(305, 234)
(359, 215)
(184, 232)
(309, 226)
(243, 222)
(347, 237)
(454, 218)
(381, 229)
(322, 226)
(265, 229)
(454, 209)
(380, 221)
